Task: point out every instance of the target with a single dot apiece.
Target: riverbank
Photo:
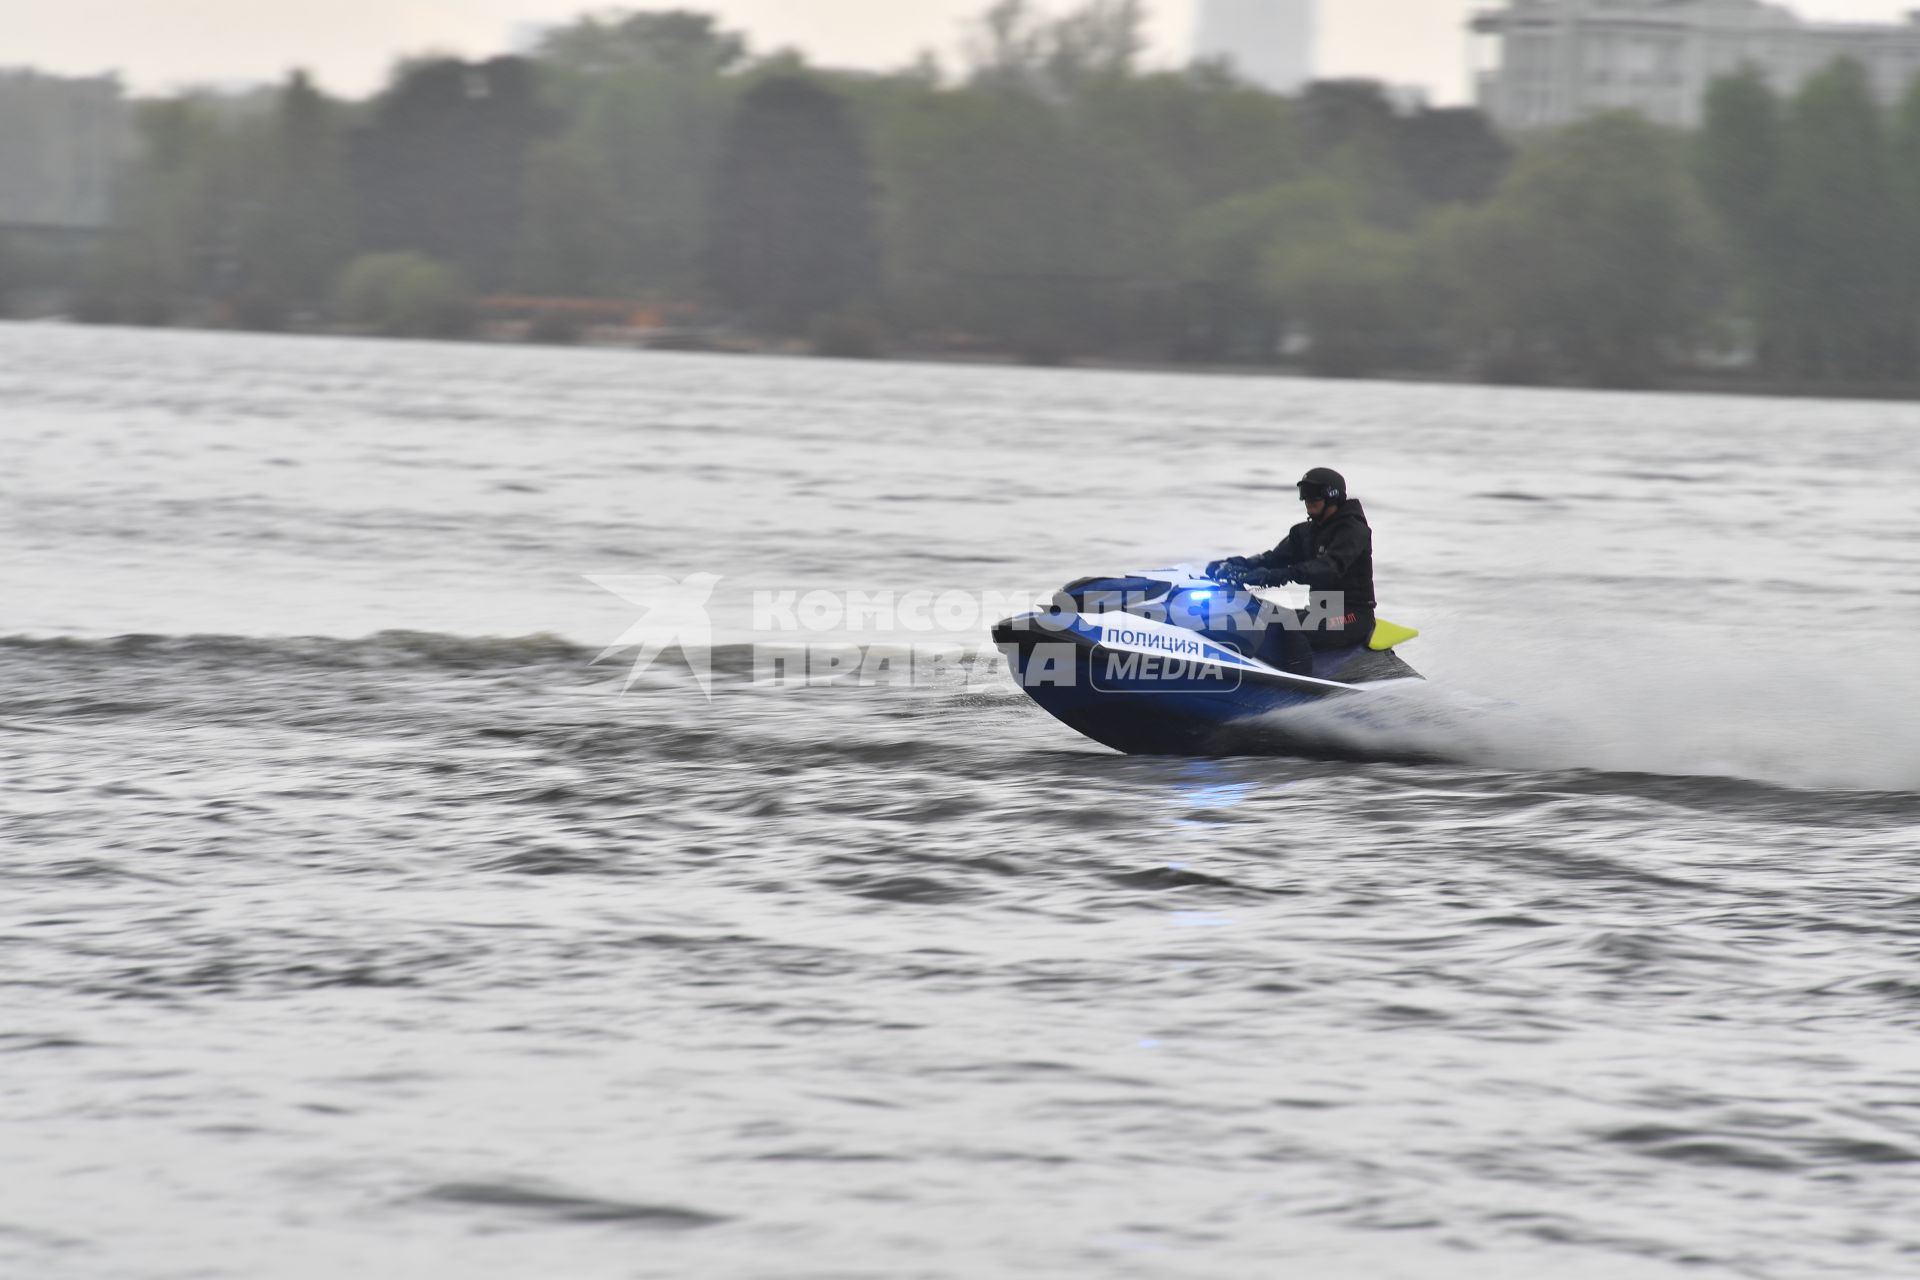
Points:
(723, 341)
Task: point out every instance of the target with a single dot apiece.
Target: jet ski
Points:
(1171, 662)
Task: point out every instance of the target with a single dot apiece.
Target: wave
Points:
(946, 666)
(385, 648)
(1770, 716)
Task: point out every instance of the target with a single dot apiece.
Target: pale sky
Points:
(350, 44)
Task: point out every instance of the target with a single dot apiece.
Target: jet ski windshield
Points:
(1111, 595)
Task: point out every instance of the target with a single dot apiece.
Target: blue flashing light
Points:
(1203, 595)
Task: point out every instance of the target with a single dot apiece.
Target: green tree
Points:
(1226, 255)
(1016, 46)
(1905, 144)
(1204, 136)
(404, 295)
(1048, 214)
(622, 40)
(1450, 155)
(440, 166)
(1009, 219)
(1737, 154)
(1339, 114)
(646, 97)
(1103, 39)
(1737, 151)
(181, 205)
(1351, 286)
(974, 206)
(1596, 259)
(1007, 48)
(298, 228)
(654, 132)
(571, 241)
(1843, 260)
(1351, 131)
(792, 223)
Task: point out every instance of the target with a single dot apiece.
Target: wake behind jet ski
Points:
(1174, 662)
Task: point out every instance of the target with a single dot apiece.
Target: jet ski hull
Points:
(1192, 701)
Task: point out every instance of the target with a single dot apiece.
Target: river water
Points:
(353, 919)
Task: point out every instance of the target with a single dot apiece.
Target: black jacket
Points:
(1335, 556)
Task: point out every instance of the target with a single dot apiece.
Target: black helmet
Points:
(1323, 482)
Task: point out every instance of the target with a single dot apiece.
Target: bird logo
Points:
(672, 612)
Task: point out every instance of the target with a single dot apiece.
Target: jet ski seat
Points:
(1293, 652)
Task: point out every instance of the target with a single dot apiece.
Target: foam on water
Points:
(1845, 722)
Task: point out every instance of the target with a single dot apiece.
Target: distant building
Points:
(1269, 42)
(60, 143)
(1554, 61)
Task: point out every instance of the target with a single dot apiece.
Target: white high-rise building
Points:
(60, 141)
(1270, 42)
(1555, 61)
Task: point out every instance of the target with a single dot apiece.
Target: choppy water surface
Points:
(350, 920)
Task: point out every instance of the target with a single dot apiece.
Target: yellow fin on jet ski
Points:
(1387, 634)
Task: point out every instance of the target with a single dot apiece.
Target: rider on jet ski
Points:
(1331, 551)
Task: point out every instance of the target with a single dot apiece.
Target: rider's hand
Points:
(1232, 565)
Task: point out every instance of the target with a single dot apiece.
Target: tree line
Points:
(1052, 200)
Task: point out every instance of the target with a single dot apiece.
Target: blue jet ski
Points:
(1173, 663)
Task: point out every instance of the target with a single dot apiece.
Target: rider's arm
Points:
(1347, 544)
